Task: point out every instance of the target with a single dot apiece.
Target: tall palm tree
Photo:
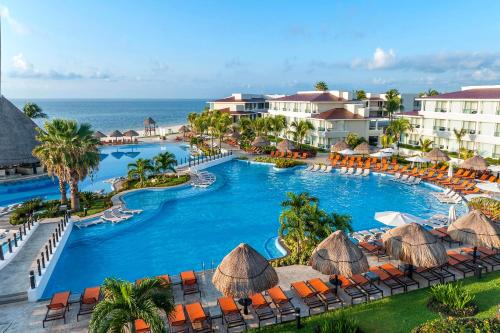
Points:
(191, 118)
(429, 92)
(222, 127)
(140, 168)
(321, 86)
(33, 111)
(386, 140)
(425, 145)
(459, 136)
(360, 94)
(397, 127)
(278, 124)
(259, 126)
(124, 303)
(300, 129)
(200, 125)
(165, 161)
(393, 102)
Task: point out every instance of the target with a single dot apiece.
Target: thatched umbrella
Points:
(244, 272)
(341, 145)
(285, 145)
(476, 163)
(437, 155)
(414, 245)
(476, 229)
(363, 148)
(260, 142)
(235, 135)
(336, 255)
(130, 134)
(116, 134)
(99, 135)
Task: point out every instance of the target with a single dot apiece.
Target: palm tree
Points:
(222, 127)
(397, 127)
(140, 169)
(386, 140)
(191, 118)
(425, 145)
(200, 125)
(88, 198)
(278, 124)
(33, 111)
(430, 92)
(321, 86)
(300, 129)
(165, 161)
(124, 303)
(319, 224)
(353, 139)
(360, 94)
(459, 136)
(393, 102)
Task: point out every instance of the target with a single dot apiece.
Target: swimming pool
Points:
(114, 161)
(187, 227)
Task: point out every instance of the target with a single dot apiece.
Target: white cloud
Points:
(20, 63)
(485, 74)
(17, 26)
(382, 59)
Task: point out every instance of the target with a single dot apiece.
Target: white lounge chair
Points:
(358, 172)
(309, 168)
(403, 178)
(350, 171)
(397, 176)
(366, 172)
(328, 169)
(322, 168)
(108, 216)
(315, 168)
(442, 194)
(417, 181)
(343, 170)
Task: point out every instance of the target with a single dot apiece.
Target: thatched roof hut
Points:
(341, 145)
(99, 135)
(17, 135)
(260, 142)
(116, 134)
(130, 133)
(149, 121)
(476, 163)
(183, 129)
(336, 254)
(413, 244)
(243, 272)
(476, 229)
(363, 148)
(437, 155)
(285, 145)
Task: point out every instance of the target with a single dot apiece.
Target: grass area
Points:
(403, 312)
(279, 162)
(157, 181)
(98, 205)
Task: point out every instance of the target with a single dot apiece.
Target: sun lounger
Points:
(88, 301)
(262, 308)
(397, 175)
(390, 282)
(343, 170)
(371, 248)
(322, 168)
(359, 172)
(315, 168)
(304, 155)
(231, 316)
(366, 285)
(366, 172)
(350, 288)
(200, 320)
(189, 283)
(350, 171)
(325, 293)
(281, 302)
(328, 169)
(177, 320)
(57, 308)
(141, 326)
(399, 275)
(308, 296)
(108, 216)
(483, 258)
(309, 168)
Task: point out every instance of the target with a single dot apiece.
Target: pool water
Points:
(191, 228)
(114, 161)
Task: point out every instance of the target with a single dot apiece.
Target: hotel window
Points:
(470, 107)
(496, 153)
(498, 108)
(440, 125)
(497, 129)
(470, 126)
(440, 106)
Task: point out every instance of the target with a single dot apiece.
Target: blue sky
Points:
(210, 48)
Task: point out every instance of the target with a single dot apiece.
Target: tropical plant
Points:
(33, 111)
(340, 323)
(459, 325)
(278, 124)
(191, 118)
(465, 153)
(165, 161)
(459, 136)
(397, 127)
(200, 125)
(386, 140)
(300, 129)
(125, 302)
(429, 92)
(140, 169)
(360, 94)
(489, 206)
(452, 299)
(88, 198)
(393, 102)
(321, 86)
(425, 145)
(222, 126)
(353, 139)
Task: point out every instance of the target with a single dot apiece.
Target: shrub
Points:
(452, 299)
(459, 325)
(341, 323)
(279, 162)
(20, 214)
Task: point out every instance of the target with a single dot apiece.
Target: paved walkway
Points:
(14, 276)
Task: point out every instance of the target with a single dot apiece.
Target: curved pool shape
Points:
(183, 228)
(114, 161)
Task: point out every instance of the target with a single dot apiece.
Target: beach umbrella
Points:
(494, 168)
(183, 129)
(130, 134)
(452, 214)
(341, 145)
(476, 163)
(99, 135)
(347, 152)
(244, 272)
(476, 229)
(285, 145)
(437, 155)
(414, 245)
(396, 219)
(260, 142)
(116, 134)
(363, 148)
(338, 255)
(381, 154)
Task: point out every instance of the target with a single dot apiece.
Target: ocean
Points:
(107, 115)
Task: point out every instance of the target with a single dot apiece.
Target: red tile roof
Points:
(233, 99)
(311, 97)
(236, 113)
(337, 113)
(481, 93)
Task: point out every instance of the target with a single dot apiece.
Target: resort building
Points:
(242, 105)
(334, 115)
(474, 108)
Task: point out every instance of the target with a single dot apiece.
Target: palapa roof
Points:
(17, 135)
(285, 145)
(260, 142)
(413, 244)
(341, 145)
(99, 135)
(476, 163)
(336, 254)
(149, 121)
(130, 133)
(183, 129)
(243, 272)
(437, 155)
(363, 148)
(476, 229)
(115, 134)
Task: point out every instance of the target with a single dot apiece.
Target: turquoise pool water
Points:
(191, 228)
(114, 161)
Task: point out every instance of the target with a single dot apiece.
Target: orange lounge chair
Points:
(308, 296)
(304, 155)
(296, 155)
(88, 301)
(177, 320)
(262, 308)
(366, 285)
(141, 326)
(189, 283)
(471, 176)
(385, 167)
(272, 153)
(325, 293)
(394, 161)
(473, 191)
(484, 258)
(402, 277)
(394, 169)
(200, 321)
(492, 179)
(350, 288)
(231, 315)
(464, 175)
(459, 172)
(384, 277)
(289, 154)
(281, 301)
(484, 176)
(57, 308)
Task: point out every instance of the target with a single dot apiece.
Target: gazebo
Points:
(130, 134)
(149, 126)
(476, 163)
(436, 155)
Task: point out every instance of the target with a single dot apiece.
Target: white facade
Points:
(475, 109)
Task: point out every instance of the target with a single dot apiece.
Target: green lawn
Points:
(403, 312)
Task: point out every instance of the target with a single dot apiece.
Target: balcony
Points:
(469, 111)
(320, 129)
(472, 131)
(440, 110)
